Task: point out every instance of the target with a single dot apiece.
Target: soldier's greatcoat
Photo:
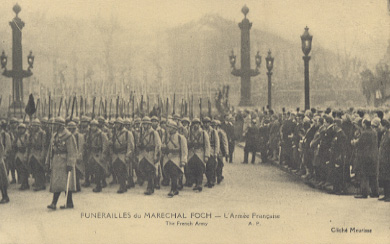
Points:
(21, 144)
(150, 146)
(122, 147)
(37, 142)
(64, 154)
(97, 149)
(199, 145)
(3, 170)
(175, 150)
(214, 142)
(80, 143)
(384, 157)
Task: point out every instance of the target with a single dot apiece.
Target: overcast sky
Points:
(360, 26)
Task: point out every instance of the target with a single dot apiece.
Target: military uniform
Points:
(136, 156)
(122, 150)
(223, 152)
(3, 175)
(175, 153)
(63, 165)
(21, 157)
(162, 134)
(37, 153)
(228, 127)
(211, 164)
(84, 131)
(150, 152)
(198, 154)
(7, 144)
(97, 148)
(80, 143)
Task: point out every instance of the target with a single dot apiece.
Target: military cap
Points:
(186, 119)
(137, 120)
(111, 121)
(119, 120)
(44, 120)
(59, 120)
(154, 118)
(195, 120)
(163, 121)
(170, 117)
(206, 119)
(67, 120)
(36, 122)
(386, 123)
(101, 119)
(127, 121)
(71, 125)
(14, 120)
(94, 122)
(215, 122)
(85, 119)
(76, 119)
(21, 125)
(52, 121)
(172, 124)
(146, 120)
(176, 116)
(366, 121)
(376, 122)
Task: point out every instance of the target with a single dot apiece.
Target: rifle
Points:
(59, 108)
(133, 107)
(81, 106)
(117, 107)
(93, 108)
(105, 108)
(49, 116)
(209, 105)
(200, 109)
(174, 103)
(100, 106)
(71, 114)
(147, 107)
(186, 108)
(109, 113)
(142, 104)
(192, 107)
(77, 109)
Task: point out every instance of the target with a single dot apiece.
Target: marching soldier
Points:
(97, 151)
(175, 153)
(122, 150)
(80, 141)
(63, 171)
(228, 127)
(21, 156)
(37, 153)
(84, 131)
(3, 173)
(211, 164)
(162, 133)
(150, 149)
(198, 154)
(12, 166)
(136, 157)
(224, 152)
(130, 180)
(103, 128)
(7, 144)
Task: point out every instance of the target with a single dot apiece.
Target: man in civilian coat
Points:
(384, 161)
(63, 164)
(367, 160)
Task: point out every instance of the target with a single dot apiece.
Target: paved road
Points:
(255, 204)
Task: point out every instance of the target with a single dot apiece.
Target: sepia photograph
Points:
(195, 121)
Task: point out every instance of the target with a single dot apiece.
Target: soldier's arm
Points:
(157, 147)
(71, 151)
(217, 143)
(130, 145)
(184, 150)
(225, 143)
(207, 147)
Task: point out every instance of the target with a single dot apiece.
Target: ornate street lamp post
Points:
(306, 39)
(17, 73)
(270, 64)
(245, 72)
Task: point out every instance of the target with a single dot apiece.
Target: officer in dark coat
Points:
(384, 161)
(228, 127)
(251, 142)
(338, 156)
(367, 160)
(36, 147)
(21, 156)
(263, 140)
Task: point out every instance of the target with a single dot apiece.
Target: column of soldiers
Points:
(65, 152)
(329, 149)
